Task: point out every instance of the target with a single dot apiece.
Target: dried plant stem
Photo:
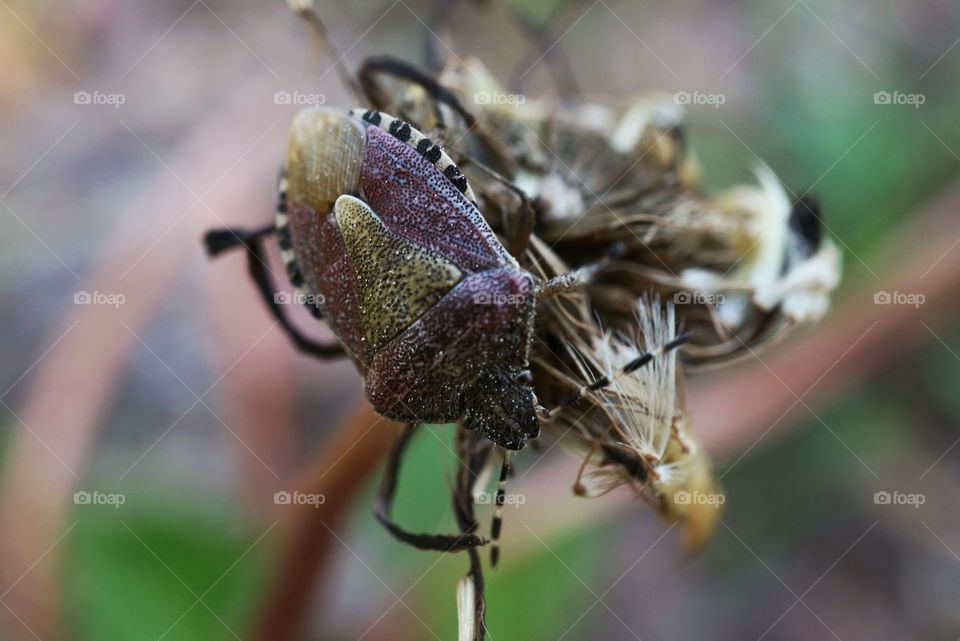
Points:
(474, 451)
(342, 468)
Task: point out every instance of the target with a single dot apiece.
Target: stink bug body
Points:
(433, 311)
(380, 230)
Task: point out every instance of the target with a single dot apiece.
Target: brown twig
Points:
(341, 469)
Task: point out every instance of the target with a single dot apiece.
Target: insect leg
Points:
(388, 65)
(384, 506)
(218, 241)
(221, 240)
(497, 523)
(632, 366)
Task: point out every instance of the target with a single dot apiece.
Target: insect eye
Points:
(524, 378)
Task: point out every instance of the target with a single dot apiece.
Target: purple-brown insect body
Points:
(435, 313)
(415, 199)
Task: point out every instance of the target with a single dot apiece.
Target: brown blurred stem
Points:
(341, 469)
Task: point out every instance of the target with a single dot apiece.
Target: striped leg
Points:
(497, 523)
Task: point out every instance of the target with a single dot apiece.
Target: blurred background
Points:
(150, 409)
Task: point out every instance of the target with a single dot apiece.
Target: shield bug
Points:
(379, 230)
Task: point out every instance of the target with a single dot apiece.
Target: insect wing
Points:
(397, 280)
(418, 202)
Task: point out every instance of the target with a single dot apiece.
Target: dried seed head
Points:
(735, 269)
(688, 490)
(783, 266)
(605, 171)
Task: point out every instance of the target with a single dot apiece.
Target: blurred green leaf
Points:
(135, 573)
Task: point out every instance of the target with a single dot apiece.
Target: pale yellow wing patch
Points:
(323, 158)
(397, 280)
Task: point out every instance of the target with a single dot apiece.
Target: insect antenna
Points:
(387, 65)
(497, 524)
(607, 380)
